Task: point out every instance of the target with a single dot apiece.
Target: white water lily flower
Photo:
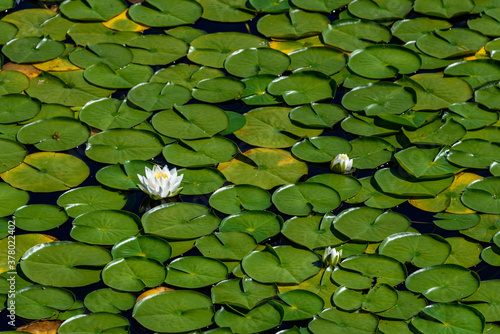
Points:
(341, 164)
(331, 257)
(160, 182)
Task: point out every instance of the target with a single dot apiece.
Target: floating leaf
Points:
(165, 13)
(87, 199)
(232, 199)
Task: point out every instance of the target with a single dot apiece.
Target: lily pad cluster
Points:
(251, 100)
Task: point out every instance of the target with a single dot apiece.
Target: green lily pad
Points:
(39, 217)
(226, 11)
(421, 250)
(443, 283)
(435, 92)
(347, 186)
(407, 306)
(370, 152)
(450, 221)
(320, 5)
(108, 113)
(133, 273)
(12, 199)
(155, 96)
(180, 221)
(485, 300)
(54, 134)
(362, 271)
(17, 107)
(312, 232)
(255, 92)
(165, 13)
(92, 10)
(426, 162)
(105, 322)
(485, 230)
(321, 149)
(67, 88)
(353, 34)
(373, 197)
(303, 87)
(9, 31)
(47, 172)
(40, 49)
(369, 224)
(476, 72)
(491, 255)
(471, 115)
(320, 59)
(438, 132)
(187, 75)
(390, 181)
(113, 55)
(465, 253)
(367, 126)
(260, 318)
(13, 82)
(249, 62)
(265, 168)
(379, 98)
(485, 24)
(109, 300)
(410, 30)
(119, 145)
(318, 115)
(87, 199)
(123, 178)
(271, 127)
(159, 311)
(454, 42)
(38, 301)
(230, 245)
(200, 152)
(242, 292)
(303, 198)
(300, 304)
(128, 76)
(198, 181)
(455, 318)
(233, 199)
(13, 153)
(216, 90)
(481, 195)
(64, 263)
(258, 223)
(292, 25)
(334, 320)
(281, 264)
(212, 49)
(385, 61)
(474, 153)
(195, 272)
(144, 245)
(385, 10)
(104, 227)
(93, 33)
(157, 49)
(379, 298)
(193, 121)
(445, 9)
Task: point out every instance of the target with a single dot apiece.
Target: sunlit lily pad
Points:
(450, 317)
(87, 199)
(212, 49)
(265, 168)
(426, 162)
(198, 181)
(318, 115)
(335, 320)
(271, 127)
(165, 13)
(312, 232)
(119, 145)
(410, 29)
(217, 90)
(367, 126)
(180, 221)
(17, 107)
(13, 82)
(303, 198)
(471, 115)
(353, 34)
(481, 195)
(232, 199)
(258, 223)
(321, 149)
(12, 154)
(195, 272)
(379, 298)
(248, 62)
(155, 96)
(145, 245)
(383, 61)
(369, 224)
(485, 300)
(39, 217)
(258, 319)
(474, 153)
(438, 132)
(226, 11)
(443, 283)
(196, 308)
(187, 75)
(281, 264)
(157, 49)
(475, 72)
(38, 301)
(58, 263)
(109, 300)
(294, 25)
(452, 42)
(40, 49)
(47, 172)
(303, 87)
(92, 10)
(445, 9)
(101, 321)
(485, 230)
